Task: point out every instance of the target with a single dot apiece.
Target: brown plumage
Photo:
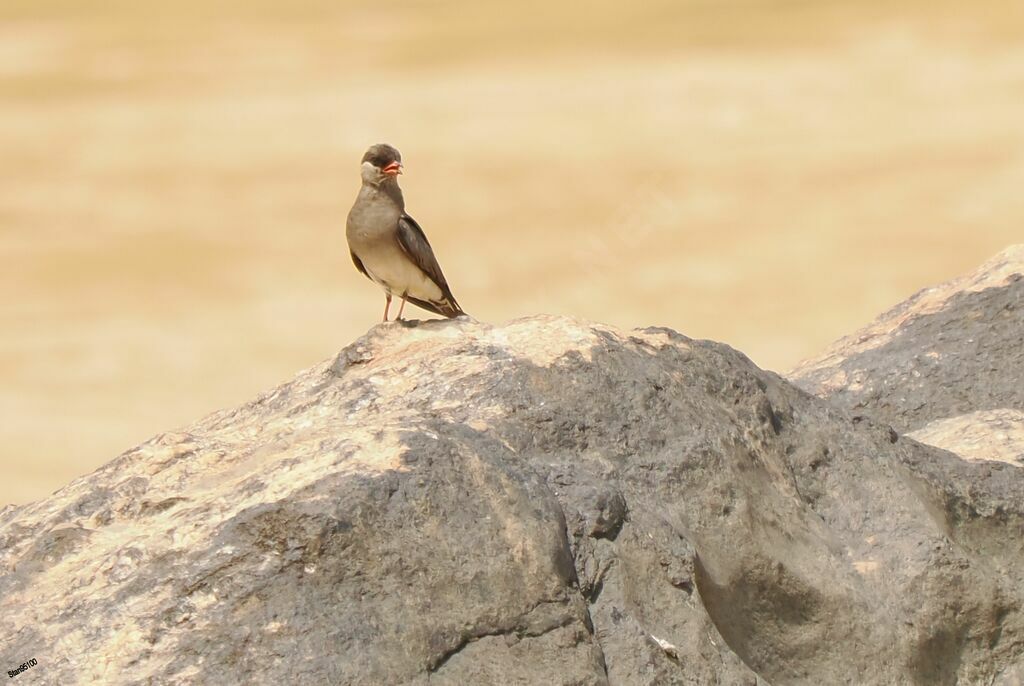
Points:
(388, 246)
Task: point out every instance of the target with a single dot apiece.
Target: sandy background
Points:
(174, 181)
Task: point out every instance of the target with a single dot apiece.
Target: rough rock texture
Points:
(982, 435)
(947, 367)
(548, 502)
(950, 350)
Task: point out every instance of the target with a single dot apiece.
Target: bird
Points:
(388, 246)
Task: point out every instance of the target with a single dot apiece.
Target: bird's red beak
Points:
(393, 169)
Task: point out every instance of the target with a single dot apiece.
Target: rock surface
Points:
(946, 366)
(949, 350)
(547, 502)
(983, 435)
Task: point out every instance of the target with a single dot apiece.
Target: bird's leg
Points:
(387, 305)
(401, 307)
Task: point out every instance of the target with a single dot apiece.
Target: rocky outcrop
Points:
(546, 502)
(950, 350)
(983, 435)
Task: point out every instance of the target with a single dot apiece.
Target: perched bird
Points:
(388, 246)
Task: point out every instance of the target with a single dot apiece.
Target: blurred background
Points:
(174, 181)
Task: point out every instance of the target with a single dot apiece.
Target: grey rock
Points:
(545, 502)
(950, 350)
(982, 435)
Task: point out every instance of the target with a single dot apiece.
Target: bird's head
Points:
(381, 163)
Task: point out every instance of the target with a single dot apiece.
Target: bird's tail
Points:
(446, 307)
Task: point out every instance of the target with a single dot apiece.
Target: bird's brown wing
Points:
(415, 244)
(359, 265)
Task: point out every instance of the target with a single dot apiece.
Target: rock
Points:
(948, 351)
(546, 502)
(946, 367)
(984, 435)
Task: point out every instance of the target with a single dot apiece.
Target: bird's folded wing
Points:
(359, 264)
(414, 243)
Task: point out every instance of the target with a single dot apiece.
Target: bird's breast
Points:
(389, 266)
